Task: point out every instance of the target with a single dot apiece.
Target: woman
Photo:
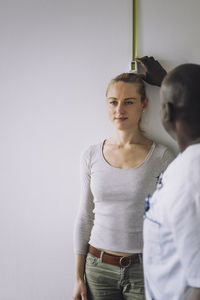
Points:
(116, 177)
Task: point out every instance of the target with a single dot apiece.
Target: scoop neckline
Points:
(126, 169)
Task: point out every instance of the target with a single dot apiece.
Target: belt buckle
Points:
(121, 261)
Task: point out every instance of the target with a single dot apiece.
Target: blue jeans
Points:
(109, 282)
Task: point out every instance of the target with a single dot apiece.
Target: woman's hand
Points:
(80, 290)
(154, 72)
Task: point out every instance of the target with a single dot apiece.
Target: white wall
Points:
(56, 60)
(169, 31)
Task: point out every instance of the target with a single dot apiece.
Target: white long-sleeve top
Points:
(111, 208)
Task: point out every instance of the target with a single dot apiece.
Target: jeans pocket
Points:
(91, 260)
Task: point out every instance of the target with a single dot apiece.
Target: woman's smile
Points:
(120, 119)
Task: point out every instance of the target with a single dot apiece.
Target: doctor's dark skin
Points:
(153, 71)
(180, 103)
(180, 113)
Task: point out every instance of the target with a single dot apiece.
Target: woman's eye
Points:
(113, 102)
(128, 102)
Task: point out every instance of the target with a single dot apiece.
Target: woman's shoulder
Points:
(91, 150)
(163, 149)
(163, 154)
(154, 147)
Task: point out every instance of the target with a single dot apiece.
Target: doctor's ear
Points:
(168, 112)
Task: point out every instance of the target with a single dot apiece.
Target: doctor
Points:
(172, 218)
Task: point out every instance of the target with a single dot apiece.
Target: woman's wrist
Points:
(79, 279)
(80, 268)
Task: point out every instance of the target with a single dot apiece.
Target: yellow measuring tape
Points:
(134, 30)
(134, 38)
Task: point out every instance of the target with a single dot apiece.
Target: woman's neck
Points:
(122, 138)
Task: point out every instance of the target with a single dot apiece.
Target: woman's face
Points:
(124, 105)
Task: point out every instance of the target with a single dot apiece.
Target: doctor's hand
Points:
(154, 72)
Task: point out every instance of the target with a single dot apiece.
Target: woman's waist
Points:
(116, 252)
(120, 259)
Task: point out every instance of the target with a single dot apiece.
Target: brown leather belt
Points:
(121, 261)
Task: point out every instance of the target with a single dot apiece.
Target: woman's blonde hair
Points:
(130, 78)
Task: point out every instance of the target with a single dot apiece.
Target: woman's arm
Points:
(80, 291)
(82, 228)
(85, 216)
